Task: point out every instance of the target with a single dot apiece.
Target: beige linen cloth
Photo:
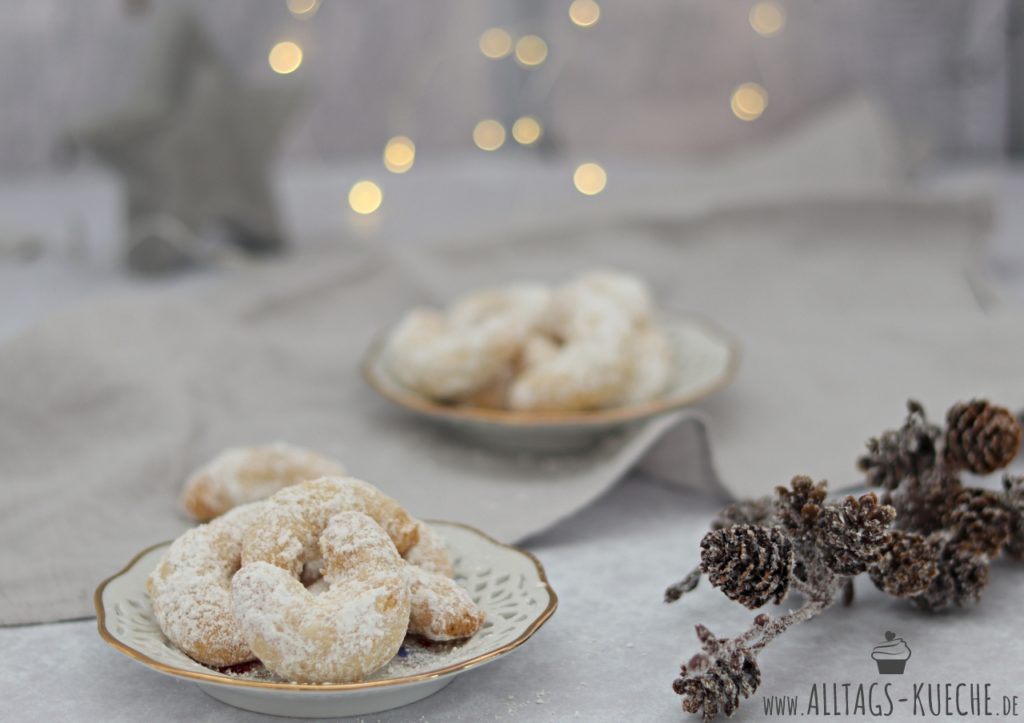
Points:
(848, 293)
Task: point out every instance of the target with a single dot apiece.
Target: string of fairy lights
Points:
(747, 102)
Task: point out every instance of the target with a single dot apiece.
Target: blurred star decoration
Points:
(193, 147)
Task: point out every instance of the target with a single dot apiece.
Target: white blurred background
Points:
(649, 78)
(426, 119)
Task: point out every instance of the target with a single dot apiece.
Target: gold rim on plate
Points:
(221, 679)
(392, 390)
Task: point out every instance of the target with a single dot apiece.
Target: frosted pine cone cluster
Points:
(929, 538)
(965, 527)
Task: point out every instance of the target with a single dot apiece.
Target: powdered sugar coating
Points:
(287, 530)
(450, 356)
(583, 375)
(538, 349)
(591, 368)
(651, 365)
(440, 608)
(190, 589)
(430, 552)
(246, 474)
(628, 292)
(519, 306)
(344, 633)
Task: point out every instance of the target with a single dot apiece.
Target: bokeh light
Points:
(399, 154)
(285, 57)
(749, 101)
(489, 135)
(495, 43)
(531, 51)
(767, 18)
(590, 179)
(584, 13)
(365, 197)
(303, 8)
(527, 130)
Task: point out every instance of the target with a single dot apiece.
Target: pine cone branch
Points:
(749, 563)
(937, 556)
(980, 437)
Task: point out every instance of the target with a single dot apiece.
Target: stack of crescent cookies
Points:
(590, 343)
(321, 581)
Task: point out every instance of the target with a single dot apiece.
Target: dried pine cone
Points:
(979, 521)
(923, 504)
(1013, 494)
(852, 534)
(907, 565)
(797, 507)
(750, 564)
(715, 679)
(980, 436)
(899, 454)
(759, 511)
(961, 576)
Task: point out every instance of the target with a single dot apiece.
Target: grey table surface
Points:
(612, 648)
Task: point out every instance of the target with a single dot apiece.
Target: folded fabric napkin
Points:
(846, 293)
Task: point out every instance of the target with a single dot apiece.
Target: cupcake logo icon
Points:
(892, 655)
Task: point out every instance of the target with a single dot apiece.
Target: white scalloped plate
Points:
(706, 360)
(508, 583)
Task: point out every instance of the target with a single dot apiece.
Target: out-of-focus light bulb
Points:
(590, 179)
(767, 18)
(531, 51)
(303, 8)
(365, 197)
(749, 101)
(495, 43)
(399, 154)
(527, 130)
(285, 57)
(584, 13)
(489, 135)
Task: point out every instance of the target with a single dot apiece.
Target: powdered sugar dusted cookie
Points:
(590, 368)
(190, 589)
(441, 610)
(246, 474)
(344, 633)
(450, 356)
